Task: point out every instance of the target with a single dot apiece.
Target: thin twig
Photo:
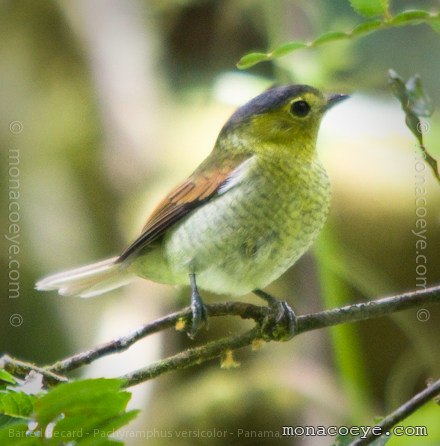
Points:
(349, 313)
(369, 310)
(245, 311)
(400, 414)
(21, 369)
(192, 357)
(314, 321)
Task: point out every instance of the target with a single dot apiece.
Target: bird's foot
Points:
(280, 324)
(199, 314)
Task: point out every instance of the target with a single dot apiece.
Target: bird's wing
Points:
(210, 179)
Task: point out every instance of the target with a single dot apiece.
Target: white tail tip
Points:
(87, 281)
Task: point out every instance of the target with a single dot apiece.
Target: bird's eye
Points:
(300, 108)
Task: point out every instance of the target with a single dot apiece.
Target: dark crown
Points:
(269, 100)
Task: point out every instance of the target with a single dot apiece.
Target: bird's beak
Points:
(333, 99)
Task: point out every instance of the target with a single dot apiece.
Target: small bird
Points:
(244, 216)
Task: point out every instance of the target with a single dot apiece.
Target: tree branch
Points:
(400, 413)
(245, 311)
(314, 321)
(192, 356)
(21, 369)
(350, 313)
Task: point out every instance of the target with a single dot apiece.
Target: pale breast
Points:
(249, 236)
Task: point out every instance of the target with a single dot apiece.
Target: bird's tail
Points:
(88, 281)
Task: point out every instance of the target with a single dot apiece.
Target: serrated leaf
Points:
(251, 59)
(93, 396)
(78, 426)
(84, 410)
(287, 48)
(7, 377)
(112, 425)
(330, 37)
(91, 425)
(16, 404)
(409, 17)
(370, 8)
(366, 27)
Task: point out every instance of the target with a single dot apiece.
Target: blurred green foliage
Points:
(104, 136)
(83, 412)
(367, 8)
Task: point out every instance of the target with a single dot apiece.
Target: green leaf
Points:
(287, 48)
(86, 425)
(81, 413)
(413, 17)
(83, 410)
(415, 103)
(251, 59)
(343, 440)
(15, 435)
(7, 377)
(330, 37)
(96, 395)
(16, 404)
(397, 87)
(418, 101)
(78, 426)
(366, 27)
(346, 440)
(116, 423)
(105, 429)
(434, 23)
(400, 90)
(99, 442)
(370, 8)
(5, 419)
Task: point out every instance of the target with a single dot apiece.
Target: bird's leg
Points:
(198, 309)
(281, 324)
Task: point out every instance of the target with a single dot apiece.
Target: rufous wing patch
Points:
(198, 188)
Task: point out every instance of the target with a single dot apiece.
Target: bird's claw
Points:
(280, 324)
